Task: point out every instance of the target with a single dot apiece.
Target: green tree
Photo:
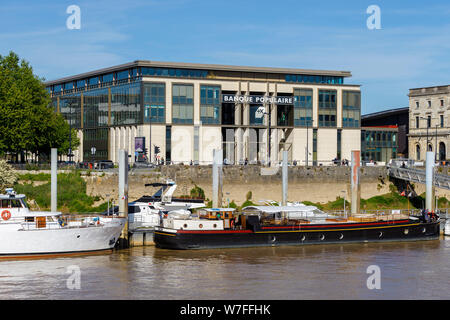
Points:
(8, 176)
(29, 123)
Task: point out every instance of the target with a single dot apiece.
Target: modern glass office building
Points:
(379, 144)
(180, 112)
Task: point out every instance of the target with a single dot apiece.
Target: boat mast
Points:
(355, 181)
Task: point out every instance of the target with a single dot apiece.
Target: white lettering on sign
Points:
(229, 98)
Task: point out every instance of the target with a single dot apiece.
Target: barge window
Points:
(5, 203)
(16, 204)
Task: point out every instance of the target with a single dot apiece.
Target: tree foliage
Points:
(28, 121)
(8, 176)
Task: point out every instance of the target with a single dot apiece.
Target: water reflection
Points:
(409, 270)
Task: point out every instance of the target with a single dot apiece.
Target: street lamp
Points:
(307, 142)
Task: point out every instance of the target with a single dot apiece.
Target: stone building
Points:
(429, 116)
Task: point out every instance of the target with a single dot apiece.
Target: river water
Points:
(407, 270)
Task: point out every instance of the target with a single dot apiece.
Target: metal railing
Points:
(418, 175)
(58, 222)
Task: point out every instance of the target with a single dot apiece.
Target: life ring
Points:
(6, 215)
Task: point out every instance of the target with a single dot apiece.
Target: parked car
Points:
(143, 164)
(105, 164)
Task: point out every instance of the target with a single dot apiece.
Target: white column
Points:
(54, 179)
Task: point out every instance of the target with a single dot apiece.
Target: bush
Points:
(197, 192)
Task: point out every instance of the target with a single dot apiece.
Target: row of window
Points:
(126, 107)
(441, 153)
(124, 75)
(314, 79)
(428, 120)
(441, 103)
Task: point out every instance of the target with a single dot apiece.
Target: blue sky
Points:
(412, 48)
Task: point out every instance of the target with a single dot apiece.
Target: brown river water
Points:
(407, 270)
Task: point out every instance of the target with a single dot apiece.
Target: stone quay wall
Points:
(316, 184)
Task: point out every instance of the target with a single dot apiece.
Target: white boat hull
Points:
(447, 229)
(59, 240)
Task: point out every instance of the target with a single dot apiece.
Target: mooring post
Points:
(217, 178)
(285, 178)
(123, 196)
(355, 183)
(54, 179)
(429, 177)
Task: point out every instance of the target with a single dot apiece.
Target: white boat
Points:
(447, 228)
(147, 211)
(29, 233)
(292, 211)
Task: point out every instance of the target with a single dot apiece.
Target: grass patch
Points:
(72, 195)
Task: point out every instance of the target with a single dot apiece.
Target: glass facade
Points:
(70, 108)
(327, 108)
(378, 145)
(285, 115)
(97, 138)
(125, 104)
(183, 103)
(314, 79)
(351, 109)
(171, 72)
(154, 103)
(107, 78)
(210, 106)
(303, 104)
(95, 108)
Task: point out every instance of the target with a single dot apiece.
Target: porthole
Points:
(424, 230)
(185, 225)
(214, 225)
(273, 239)
(322, 237)
(406, 231)
(303, 238)
(200, 226)
(380, 234)
(341, 236)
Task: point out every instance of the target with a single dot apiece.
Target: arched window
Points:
(442, 151)
(430, 147)
(417, 152)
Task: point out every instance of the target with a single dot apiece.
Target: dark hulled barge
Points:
(289, 225)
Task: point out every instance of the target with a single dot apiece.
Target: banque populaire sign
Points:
(235, 98)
